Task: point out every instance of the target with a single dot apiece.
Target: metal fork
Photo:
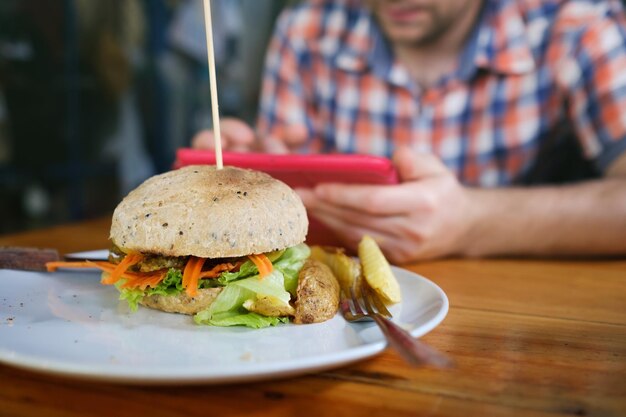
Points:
(364, 304)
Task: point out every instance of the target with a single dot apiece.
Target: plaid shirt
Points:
(539, 94)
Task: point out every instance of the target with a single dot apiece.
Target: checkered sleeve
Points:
(596, 78)
(286, 93)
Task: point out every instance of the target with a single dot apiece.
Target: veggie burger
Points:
(223, 245)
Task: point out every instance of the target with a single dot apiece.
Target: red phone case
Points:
(304, 171)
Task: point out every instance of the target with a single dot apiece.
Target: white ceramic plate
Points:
(67, 323)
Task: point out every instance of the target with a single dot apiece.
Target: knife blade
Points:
(26, 258)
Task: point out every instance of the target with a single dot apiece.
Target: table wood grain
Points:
(529, 338)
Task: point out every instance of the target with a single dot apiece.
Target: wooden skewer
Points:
(208, 28)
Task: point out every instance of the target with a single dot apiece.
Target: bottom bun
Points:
(182, 303)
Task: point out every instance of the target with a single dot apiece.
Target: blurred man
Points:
(475, 101)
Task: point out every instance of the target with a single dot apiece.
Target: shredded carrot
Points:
(128, 261)
(144, 280)
(53, 266)
(192, 289)
(263, 264)
(218, 269)
(191, 275)
(133, 279)
(188, 269)
(103, 265)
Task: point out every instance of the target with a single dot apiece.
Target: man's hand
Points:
(431, 215)
(428, 215)
(237, 136)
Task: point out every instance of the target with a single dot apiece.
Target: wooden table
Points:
(529, 337)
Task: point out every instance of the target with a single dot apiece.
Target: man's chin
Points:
(408, 36)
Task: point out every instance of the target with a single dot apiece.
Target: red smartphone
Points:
(304, 171)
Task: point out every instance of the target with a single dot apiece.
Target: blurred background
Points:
(96, 96)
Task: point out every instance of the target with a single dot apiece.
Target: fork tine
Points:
(356, 296)
(375, 299)
(365, 294)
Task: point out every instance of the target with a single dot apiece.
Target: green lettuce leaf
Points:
(290, 264)
(172, 284)
(247, 269)
(228, 310)
(231, 299)
(288, 261)
(132, 296)
(248, 319)
(273, 285)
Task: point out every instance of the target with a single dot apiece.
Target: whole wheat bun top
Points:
(210, 213)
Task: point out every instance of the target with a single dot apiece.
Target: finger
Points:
(288, 140)
(203, 140)
(273, 145)
(413, 166)
(385, 200)
(237, 133)
(307, 195)
(236, 136)
(295, 136)
(357, 218)
(351, 218)
(349, 234)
